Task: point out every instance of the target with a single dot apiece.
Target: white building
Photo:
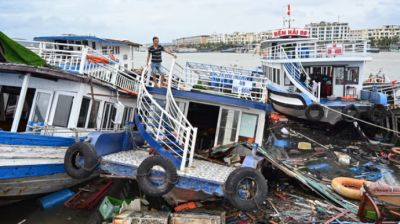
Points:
(388, 31)
(329, 31)
(216, 38)
(121, 50)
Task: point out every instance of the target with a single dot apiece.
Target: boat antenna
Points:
(288, 20)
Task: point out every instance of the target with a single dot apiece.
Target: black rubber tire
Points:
(145, 183)
(377, 113)
(313, 107)
(350, 110)
(89, 155)
(232, 184)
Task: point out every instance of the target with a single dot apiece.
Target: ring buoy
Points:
(350, 110)
(377, 113)
(147, 185)
(348, 187)
(80, 160)
(396, 150)
(394, 155)
(233, 192)
(312, 116)
(97, 59)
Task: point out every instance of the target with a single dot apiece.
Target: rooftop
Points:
(87, 38)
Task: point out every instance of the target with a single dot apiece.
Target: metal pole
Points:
(21, 101)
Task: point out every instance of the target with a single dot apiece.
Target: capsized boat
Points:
(51, 96)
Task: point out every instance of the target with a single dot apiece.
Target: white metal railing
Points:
(173, 109)
(166, 125)
(76, 59)
(294, 71)
(315, 49)
(221, 80)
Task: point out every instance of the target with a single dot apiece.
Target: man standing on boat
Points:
(155, 53)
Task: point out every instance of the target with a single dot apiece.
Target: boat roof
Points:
(289, 39)
(80, 38)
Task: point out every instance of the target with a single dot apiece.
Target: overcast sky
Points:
(140, 20)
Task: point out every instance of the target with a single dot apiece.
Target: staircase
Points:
(293, 71)
(83, 60)
(166, 130)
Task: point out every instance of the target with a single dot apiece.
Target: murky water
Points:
(389, 62)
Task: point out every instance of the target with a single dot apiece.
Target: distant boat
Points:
(186, 50)
(373, 50)
(229, 50)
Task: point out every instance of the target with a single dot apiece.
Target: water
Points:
(389, 62)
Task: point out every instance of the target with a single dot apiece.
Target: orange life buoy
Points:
(97, 59)
(394, 155)
(348, 187)
(129, 91)
(348, 98)
(396, 150)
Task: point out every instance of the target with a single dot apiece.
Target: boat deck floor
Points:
(13, 155)
(202, 170)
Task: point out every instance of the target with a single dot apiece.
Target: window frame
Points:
(88, 112)
(54, 107)
(48, 110)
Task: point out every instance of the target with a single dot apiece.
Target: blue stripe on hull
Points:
(30, 139)
(211, 98)
(8, 172)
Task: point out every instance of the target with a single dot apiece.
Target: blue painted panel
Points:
(110, 142)
(208, 187)
(378, 98)
(211, 98)
(31, 139)
(7, 172)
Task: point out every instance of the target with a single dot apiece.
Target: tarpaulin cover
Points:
(13, 52)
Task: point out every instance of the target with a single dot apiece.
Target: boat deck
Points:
(204, 176)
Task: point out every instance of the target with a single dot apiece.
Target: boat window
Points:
(278, 76)
(338, 73)
(93, 114)
(287, 81)
(63, 110)
(41, 106)
(128, 115)
(108, 116)
(352, 75)
(228, 126)
(248, 127)
(83, 113)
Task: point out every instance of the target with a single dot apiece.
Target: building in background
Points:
(329, 31)
(236, 38)
(192, 40)
(388, 31)
(216, 38)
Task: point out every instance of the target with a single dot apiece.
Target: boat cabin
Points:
(119, 50)
(77, 95)
(337, 65)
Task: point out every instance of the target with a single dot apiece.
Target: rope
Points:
(362, 121)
